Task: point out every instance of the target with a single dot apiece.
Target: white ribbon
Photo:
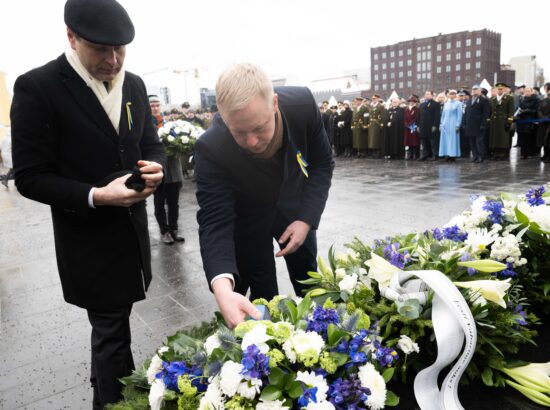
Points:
(452, 322)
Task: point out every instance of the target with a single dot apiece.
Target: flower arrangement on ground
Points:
(179, 137)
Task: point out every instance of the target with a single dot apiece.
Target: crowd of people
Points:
(468, 124)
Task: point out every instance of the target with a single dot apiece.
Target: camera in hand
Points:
(135, 181)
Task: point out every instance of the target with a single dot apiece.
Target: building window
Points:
(409, 52)
(376, 56)
(448, 45)
(457, 67)
(468, 54)
(438, 69)
(419, 56)
(409, 73)
(478, 64)
(458, 79)
(467, 77)
(383, 55)
(448, 68)
(401, 85)
(438, 59)
(400, 53)
(458, 43)
(409, 83)
(400, 63)
(429, 76)
(384, 66)
(448, 57)
(400, 74)
(458, 56)
(467, 66)
(375, 77)
(418, 66)
(384, 76)
(468, 42)
(392, 54)
(376, 67)
(478, 53)
(409, 63)
(439, 47)
(392, 75)
(418, 76)
(384, 86)
(392, 64)
(392, 86)
(429, 55)
(478, 41)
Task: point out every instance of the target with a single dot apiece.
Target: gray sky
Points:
(302, 38)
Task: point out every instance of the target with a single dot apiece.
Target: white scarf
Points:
(111, 100)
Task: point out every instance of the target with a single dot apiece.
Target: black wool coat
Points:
(475, 117)
(63, 145)
(430, 116)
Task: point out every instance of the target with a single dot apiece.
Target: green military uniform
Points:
(358, 129)
(377, 121)
(502, 115)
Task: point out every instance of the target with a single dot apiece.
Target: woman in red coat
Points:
(412, 136)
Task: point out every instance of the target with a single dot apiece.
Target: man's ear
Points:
(275, 102)
(72, 38)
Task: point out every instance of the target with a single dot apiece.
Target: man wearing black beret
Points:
(81, 124)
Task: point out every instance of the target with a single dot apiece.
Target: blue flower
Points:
(171, 371)
(534, 196)
(438, 234)
(509, 272)
(396, 258)
(308, 395)
(348, 394)
(386, 356)
(495, 209)
(465, 258)
(255, 364)
(321, 319)
(522, 315)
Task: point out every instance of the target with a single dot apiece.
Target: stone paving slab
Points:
(44, 342)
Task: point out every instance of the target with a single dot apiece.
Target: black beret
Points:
(99, 21)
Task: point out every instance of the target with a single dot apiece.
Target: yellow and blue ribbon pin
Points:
(303, 163)
(129, 115)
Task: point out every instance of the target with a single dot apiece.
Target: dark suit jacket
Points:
(475, 117)
(63, 145)
(228, 187)
(430, 116)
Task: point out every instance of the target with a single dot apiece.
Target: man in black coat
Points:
(474, 123)
(263, 171)
(80, 125)
(430, 115)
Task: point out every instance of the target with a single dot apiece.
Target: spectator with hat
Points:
(502, 115)
(81, 127)
(451, 118)
(411, 134)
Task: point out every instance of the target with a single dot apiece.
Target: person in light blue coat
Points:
(451, 118)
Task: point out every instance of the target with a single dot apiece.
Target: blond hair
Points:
(239, 83)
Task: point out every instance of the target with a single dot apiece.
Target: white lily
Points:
(492, 290)
(535, 376)
(381, 270)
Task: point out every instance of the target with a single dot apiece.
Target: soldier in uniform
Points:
(377, 120)
(359, 137)
(502, 115)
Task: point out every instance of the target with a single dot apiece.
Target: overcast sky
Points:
(303, 39)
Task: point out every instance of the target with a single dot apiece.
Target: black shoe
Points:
(422, 158)
(176, 237)
(473, 160)
(167, 239)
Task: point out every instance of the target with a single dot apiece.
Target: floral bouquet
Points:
(179, 137)
(497, 254)
(306, 356)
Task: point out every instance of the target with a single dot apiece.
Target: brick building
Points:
(436, 63)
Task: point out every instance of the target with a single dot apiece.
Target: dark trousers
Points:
(111, 353)
(477, 145)
(167, 196)
(430, 146)
(255, 258)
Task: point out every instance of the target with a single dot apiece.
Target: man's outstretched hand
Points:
(233, 306)
(295, 234)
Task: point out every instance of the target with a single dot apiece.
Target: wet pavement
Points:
(44, 342)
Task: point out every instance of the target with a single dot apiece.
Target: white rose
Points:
(302, 342)
(170, 138)
(257, 336)
(340, 273)
(185, 139)
(211, 343)
(213, 397)
(230, 377)
(348, 284)
(249, 388)
(271, 405)
(407, 345)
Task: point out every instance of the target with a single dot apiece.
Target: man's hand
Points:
(233, 306)
(295, 234)
(117, 194)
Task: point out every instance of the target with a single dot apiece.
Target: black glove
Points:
(135, 182)
(507, 126)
